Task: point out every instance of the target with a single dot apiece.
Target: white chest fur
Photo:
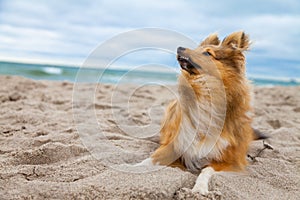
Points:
(196, 153)
(201, 125)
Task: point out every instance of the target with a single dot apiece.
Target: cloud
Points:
(68, 31)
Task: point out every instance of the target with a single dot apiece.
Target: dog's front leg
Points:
(201, 185)
(164, 155)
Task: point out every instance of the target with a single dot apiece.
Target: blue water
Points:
(68, 73)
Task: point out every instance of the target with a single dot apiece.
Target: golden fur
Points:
(214, 105)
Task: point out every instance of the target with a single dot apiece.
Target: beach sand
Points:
(46, 152)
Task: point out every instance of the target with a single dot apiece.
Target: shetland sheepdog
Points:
(208, 128)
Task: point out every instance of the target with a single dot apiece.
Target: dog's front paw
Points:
(201, 189)
(146, 162)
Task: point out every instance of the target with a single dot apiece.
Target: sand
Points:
(48, 150)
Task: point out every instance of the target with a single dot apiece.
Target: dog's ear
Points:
(212, 39)
(238, 40)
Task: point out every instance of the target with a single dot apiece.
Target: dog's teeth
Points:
(184, 57)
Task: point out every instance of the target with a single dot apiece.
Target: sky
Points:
(67, 32)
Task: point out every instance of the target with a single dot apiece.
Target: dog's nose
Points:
(180, 49)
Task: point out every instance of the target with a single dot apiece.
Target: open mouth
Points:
(184, 62)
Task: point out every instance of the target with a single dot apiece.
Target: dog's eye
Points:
(206, 53)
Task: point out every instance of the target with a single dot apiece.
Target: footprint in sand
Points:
(297, 109)
(48, 153)
(274, 123)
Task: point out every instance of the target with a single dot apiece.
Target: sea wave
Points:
(52, 70)
(266, 80)
(115, 76)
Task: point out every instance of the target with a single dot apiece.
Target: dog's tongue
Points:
(184, 64)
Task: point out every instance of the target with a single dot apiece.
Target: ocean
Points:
(114, 76)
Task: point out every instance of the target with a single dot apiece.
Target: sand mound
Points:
(44, 156)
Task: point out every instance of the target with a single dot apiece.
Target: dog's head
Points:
(224, 60)
(218, 67)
